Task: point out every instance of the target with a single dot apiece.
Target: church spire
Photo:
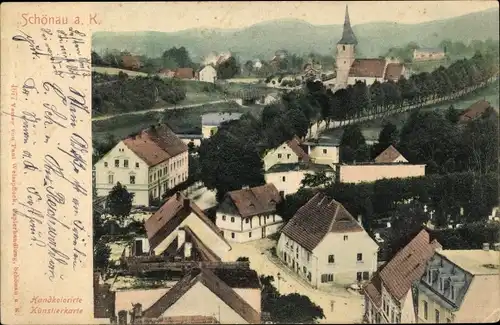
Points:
(348, 36)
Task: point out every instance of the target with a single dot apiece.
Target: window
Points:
(110, 179)
(331, 259)
(324, 151)
(267, 217)
(159, 173)
(132, 179)
(279, 156)
(392, 316)
(304, 270)
(425, 309)
(232, 235)
(326, 278)
(345, 238)
(105, 164)
(359, 257)
(136, 165)
(437, 316)
(359, 276)
(150, 178)
(343, 49)
(366, 275)
(165, 170)
(283, 178)
(232, 219)
(452, 292)
(223, 218)
(125, 163)
(250, 234)
(117, 163)
(247, 220)
(154, 177)
(288, 156)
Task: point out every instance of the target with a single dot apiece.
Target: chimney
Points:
(187, 204)
(496, 246)
(181, 237)
(388, 225)
(122, 317)
(486, 246)
(178, 196)
(360, 219)
(187, 250)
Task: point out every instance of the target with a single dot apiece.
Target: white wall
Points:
(291, 184)
(196, 141)
(206, 303)
(326, 155)
(400, 159)
(208, 74)
(122, 174)
(280, 155)
(344, 59)
(251, 296)
(146, 297)
(168, 174)
(241, 229)
(368, 80)
(207, 130)
(371, 173)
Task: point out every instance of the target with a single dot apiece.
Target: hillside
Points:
(263, 39)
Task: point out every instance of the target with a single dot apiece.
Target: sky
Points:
(170, 17)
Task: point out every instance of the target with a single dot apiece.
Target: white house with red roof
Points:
(148, 164)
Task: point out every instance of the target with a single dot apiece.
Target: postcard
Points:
(250, 162)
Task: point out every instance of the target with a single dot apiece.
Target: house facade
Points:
(210, 122)
(148, 164)
(323, 244)
(428, 54)
(290, 152)
(323, 153)
(389, 295)
(208, 74)
(390, 155)
(460, 286)
(249, 214)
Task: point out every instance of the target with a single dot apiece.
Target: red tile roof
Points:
(388, 155)
(170, 216)
(407, 266)
(294, 144)
(371, 68)
(155, 145)
(394, 71)
(319, 216)
(256, 200)
(214, 284)
(184, 73)
(474, 111)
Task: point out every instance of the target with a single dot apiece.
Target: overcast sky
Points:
(168, 17)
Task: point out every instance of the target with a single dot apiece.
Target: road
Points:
(347, 307)
(107, 117)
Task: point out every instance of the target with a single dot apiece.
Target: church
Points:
(350, 69)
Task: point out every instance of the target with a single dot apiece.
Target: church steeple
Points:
(348, 36)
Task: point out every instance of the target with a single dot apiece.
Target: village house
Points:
(428, 54)
(389, 164)
(250, 213)
(287, 153)
(223, 295)
(180, 230)
(288, 177)
(389, 295)
(474, 111)
(148, 164)
(184, 73)
(131, 62)
(324, 244)
(322, 153)
(460, 286)
(207, 74)
(210, 122)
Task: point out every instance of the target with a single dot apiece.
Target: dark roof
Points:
(348, 36)
(294, 144)
(279, 168)
(156, 144)
(388, 155)
(474, 111)
(367, 68)
(255, 200)
(170, 216)
(238, 277)
(407, 266)
(319, 216)
(214, 284)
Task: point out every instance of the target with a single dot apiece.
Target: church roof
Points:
(348, 36)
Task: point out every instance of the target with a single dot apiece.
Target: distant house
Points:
(223, 295)
(210, 122)
(167, 73)
(474, 111)
(389, 295)
(323, 244)
(194, 138)
(288, 152)
(322, 153)
(428, 54)
(207, 74)
(148, 164)
(394, 71)
(181, 226)
(390, 155)
(184, 73)
(250, 213)
(131, 62)
(460, 286)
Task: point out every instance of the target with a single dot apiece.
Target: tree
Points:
(96, 59)
(228, 69)
(242, 259)
(452, 114)
(353, 144)
(316, 179)
(480, 151)
(101, 255)
(388, 136)
(249, 67)
(179, 55)
(119, 202)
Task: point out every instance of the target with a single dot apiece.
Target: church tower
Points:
(346, 48)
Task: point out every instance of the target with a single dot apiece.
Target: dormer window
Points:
(452, 292)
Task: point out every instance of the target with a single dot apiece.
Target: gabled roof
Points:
(170, 216)
(348, 36)
(294, 144)
(184, 73)
(214, 284)
(256, 200)
(367, 68)
(474, 111)
(407, 266)
(318, 217)
(394, 71)
(388, 155)
(156, 144)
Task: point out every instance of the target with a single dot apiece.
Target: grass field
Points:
(182, 120)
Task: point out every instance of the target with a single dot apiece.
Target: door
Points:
(263, 232)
